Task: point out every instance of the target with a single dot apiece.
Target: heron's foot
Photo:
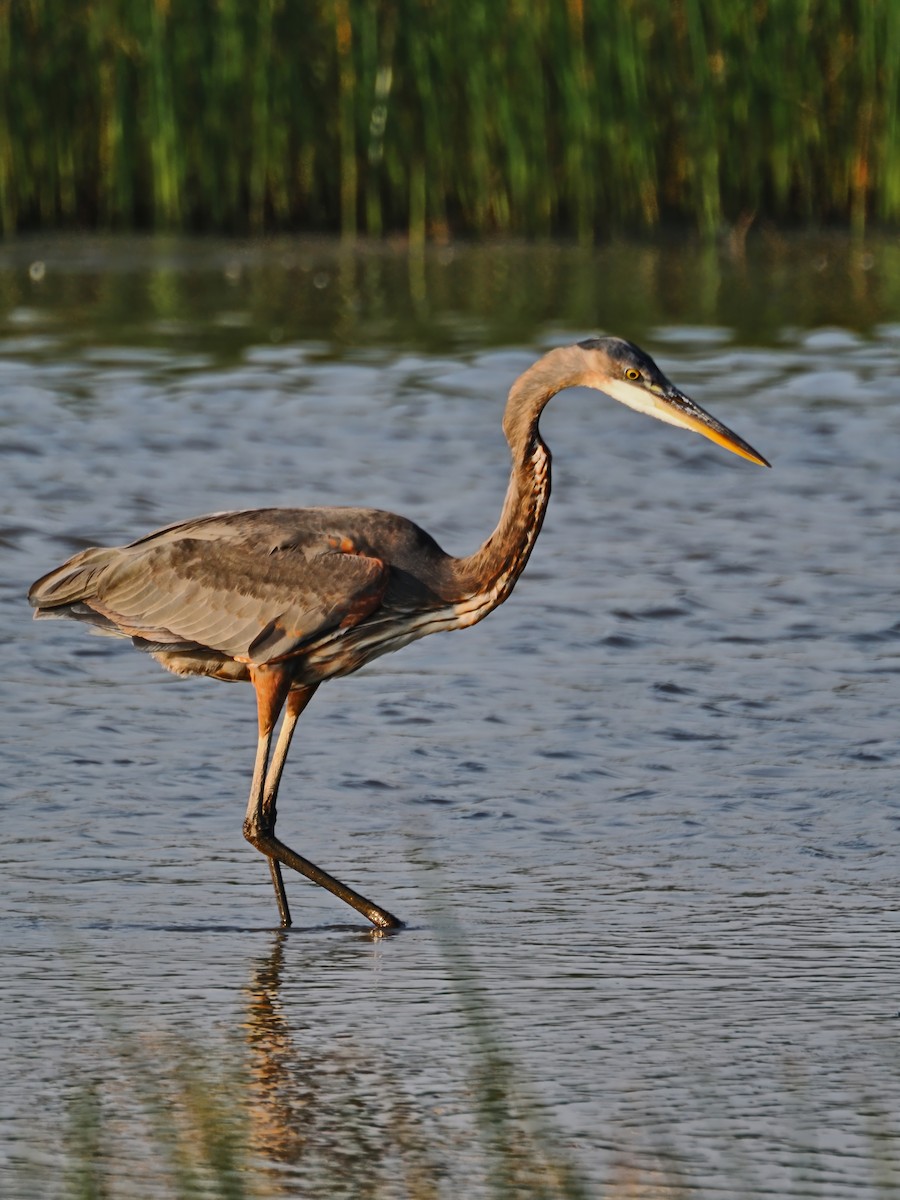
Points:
(277, 852)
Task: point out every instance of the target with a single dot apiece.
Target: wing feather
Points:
(239, 587)
(255, 616)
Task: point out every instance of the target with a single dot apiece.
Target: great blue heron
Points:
(286, 598)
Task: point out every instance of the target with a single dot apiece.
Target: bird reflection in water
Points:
(331, 1113)
(280, 1090)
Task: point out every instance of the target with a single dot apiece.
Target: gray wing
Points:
(248, 585)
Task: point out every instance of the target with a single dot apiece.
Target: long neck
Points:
(488, 576)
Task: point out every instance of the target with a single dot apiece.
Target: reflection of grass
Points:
(522, 1155)
(271, 1118)
(189, 1126)
(177, 1123)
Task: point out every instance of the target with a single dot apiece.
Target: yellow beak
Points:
(677, 409)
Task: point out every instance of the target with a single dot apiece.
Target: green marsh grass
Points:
(526, 117)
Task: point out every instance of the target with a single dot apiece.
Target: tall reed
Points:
(528, 117)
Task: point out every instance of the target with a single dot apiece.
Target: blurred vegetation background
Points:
(448, 117)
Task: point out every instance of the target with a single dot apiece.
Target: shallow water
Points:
(655, 791)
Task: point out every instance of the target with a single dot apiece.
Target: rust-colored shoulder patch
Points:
(343, 545)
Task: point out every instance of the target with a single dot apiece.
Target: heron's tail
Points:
(67, 590)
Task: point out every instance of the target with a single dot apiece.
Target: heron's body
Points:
(318, 591)
(287, 598)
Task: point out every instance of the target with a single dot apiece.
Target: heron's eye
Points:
(632, 373)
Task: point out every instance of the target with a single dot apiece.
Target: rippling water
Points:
(655, 790)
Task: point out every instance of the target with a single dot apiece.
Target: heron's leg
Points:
(297, 700)
(257, 788)
(280, 894)
(272, 686)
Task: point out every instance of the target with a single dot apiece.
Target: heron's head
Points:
(625, 372)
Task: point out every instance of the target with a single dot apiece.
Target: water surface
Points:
(655, 791)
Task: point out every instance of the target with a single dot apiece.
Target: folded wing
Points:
(248, 589)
